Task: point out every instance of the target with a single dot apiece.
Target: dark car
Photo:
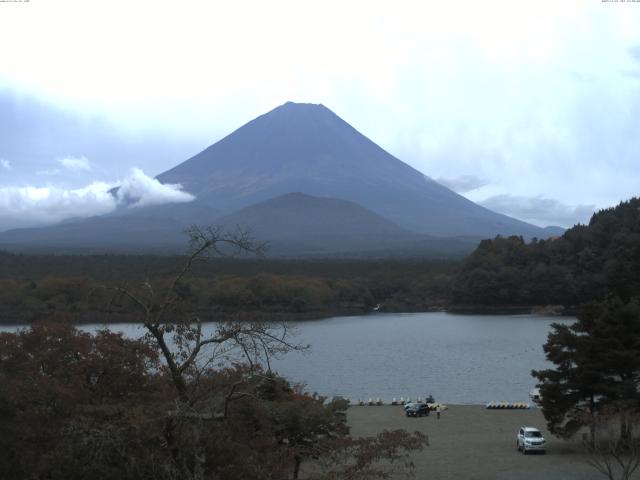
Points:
(417, 410)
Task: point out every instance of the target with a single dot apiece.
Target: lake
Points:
(459, 359)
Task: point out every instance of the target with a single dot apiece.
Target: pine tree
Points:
(597, 363)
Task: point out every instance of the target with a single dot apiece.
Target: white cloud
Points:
(540, 211)
(75, 163)
(139, 190)
(49, 172)
(5, 164)
(463, 184)
(34, 206)
(25, 206)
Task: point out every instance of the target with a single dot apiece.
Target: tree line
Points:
(241, 289)
(587, 262)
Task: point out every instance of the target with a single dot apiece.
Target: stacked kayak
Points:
(507, 406)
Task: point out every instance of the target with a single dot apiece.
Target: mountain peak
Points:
(299, 105)
(305, 147)
(299, 109)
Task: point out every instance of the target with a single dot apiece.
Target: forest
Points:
(588, 262)
(256, 288)
(504, 274)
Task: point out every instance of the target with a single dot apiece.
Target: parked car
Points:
(409, 405)
(530, 439)
(416, 409)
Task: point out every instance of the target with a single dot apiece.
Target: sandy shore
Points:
(471, 442)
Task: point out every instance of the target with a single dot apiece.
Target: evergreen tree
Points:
(597, 363)
(587, 263)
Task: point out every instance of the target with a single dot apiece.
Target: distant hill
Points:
(307, 148)
(306, 225)
(157, 229)
(293, 225)
(297, 215)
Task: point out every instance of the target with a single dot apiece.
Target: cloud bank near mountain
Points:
(539, 210)
(463, 183)
(35, 206)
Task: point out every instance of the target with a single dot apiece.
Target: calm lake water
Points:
(460, 359)
(456, 358)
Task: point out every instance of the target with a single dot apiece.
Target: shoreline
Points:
(286, 316)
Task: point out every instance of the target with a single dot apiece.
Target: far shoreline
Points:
(103, 318)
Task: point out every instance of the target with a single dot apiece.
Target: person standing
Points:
(438, 412)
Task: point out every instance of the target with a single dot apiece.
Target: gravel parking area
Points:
(471, 442)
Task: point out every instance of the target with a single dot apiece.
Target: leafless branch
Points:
(615, 450)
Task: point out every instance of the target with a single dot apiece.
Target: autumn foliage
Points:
(80, 405)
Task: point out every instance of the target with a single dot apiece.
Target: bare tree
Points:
(614, 450)
(190, 351)
(195, 356)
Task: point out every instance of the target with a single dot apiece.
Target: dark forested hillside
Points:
(587, 263)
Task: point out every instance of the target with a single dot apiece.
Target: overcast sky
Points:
(529, 108)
